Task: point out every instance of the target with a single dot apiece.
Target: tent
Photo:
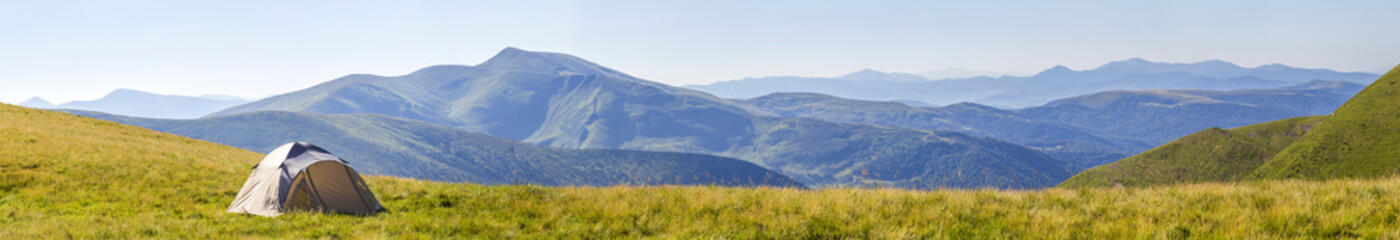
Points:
(302, 176)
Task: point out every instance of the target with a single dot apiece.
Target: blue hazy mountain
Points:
(868, 85)
(966, 73)
(36, 102)
(1054, 83)
(135, 103)
(558, 100)
(383, 145)
(1159, 116)
(1080, 147)
(1138, 74)
(1088, 130)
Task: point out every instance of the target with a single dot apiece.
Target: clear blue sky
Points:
(74, 50)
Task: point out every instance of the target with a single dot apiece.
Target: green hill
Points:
(1211, 155)
(63, 176)
(557, 100)
(1357, 141)
(1086, 131)
(382, 145)
(1361, 139)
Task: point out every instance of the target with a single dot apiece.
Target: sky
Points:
(81, 50)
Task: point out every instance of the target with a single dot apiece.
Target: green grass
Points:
(1211, 155)
(71, 177)
(1361, 139)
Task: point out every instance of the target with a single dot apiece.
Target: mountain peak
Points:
(36, 102)
(1056, 70)
(872, 75)
(1274, 66)
(868, 71)
(1135, 61)
(1131, 63)
(518, 60)
(864, 73)
(123, 93)
(1216, 64)
(126, 90)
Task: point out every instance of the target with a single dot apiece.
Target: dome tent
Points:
(303, 176)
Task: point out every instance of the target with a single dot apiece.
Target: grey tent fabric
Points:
(303, 176)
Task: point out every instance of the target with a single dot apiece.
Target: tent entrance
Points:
(329, 185)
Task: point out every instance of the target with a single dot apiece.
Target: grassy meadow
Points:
(63, 176)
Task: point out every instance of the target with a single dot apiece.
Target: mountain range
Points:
(64, 175)
(1086, 131)
(558, 100)
(1080, 147)
(966, 73)
(866, 85)
(1158, 116)
(382, 145)
(1358, 140)
(143, 104)
(1055, 83)
(553, 112)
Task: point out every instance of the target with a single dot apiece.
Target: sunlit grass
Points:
(63, 176)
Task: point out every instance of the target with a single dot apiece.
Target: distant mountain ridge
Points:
(558, 100)
(1357, 140)
(865, 84)
(1086, 131)
(383, 145)
(1139, 74)
(1077, 146)
(966, 73)
(143, 104)
(1054, 83)
(36, 102)
(1158, 116)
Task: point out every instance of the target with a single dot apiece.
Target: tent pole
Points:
(315, 192)
(357, 186)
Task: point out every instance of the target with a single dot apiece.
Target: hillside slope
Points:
(1358, 140)
(1211, 155)
(557, 100)
(71, 177)
(61, 174)
(1361, 139)
(382, 145)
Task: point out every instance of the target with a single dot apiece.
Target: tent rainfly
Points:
(302, 176)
